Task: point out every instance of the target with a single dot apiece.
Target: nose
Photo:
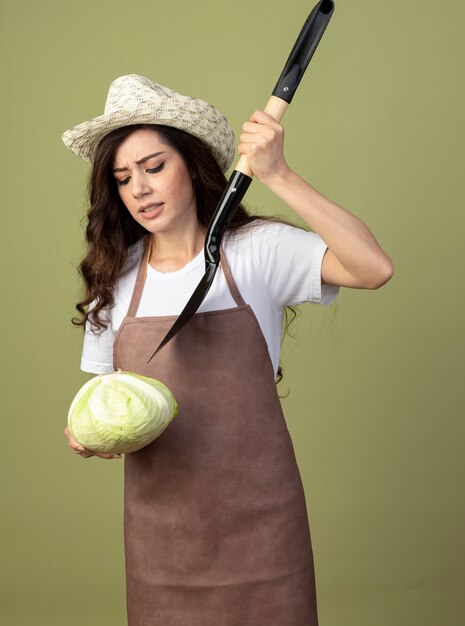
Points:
(140, 185)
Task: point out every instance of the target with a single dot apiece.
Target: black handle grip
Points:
(304, 47)
(235, 190)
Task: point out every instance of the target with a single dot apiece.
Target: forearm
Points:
(349, 239)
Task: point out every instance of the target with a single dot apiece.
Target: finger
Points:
(74, 445)
(254, 143)
(108, 456)
(252, 127)
(86, 454)
(262, 133)
(245, 138)
(82, 450)
(68, 434)
(249, 140)
(260, 117)
(248, 149)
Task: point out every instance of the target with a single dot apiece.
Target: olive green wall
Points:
(376, 380)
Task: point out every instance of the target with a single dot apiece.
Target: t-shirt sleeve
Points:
(290, 259)
(97, 351)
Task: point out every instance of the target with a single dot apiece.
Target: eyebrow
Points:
(146, 158)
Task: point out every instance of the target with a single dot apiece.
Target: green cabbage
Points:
(120, 412)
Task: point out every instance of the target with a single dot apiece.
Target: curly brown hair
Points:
(111, 229)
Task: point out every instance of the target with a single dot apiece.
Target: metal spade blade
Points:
(191, 307)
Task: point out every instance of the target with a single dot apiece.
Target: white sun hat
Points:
(134, 99)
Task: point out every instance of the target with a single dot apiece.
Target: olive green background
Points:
(376, 397)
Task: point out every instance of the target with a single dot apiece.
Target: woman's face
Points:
(154, 183)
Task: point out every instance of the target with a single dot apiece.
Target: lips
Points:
(149, 211)
(149, 207)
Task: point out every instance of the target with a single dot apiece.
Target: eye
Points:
(154, 170)
(122, 182)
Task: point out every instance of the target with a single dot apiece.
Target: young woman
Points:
(216, 529)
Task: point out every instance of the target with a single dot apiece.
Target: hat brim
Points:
(200, 119)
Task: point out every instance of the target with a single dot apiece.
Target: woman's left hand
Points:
(262, 142)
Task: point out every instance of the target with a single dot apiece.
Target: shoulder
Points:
(262, 232)
(267, 240)
(268, 233)
(265, 250)
(287, 259)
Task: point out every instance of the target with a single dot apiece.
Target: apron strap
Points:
(140, 279)
(236, 294)
(142, 273)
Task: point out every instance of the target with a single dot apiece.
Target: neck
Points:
(171, 251)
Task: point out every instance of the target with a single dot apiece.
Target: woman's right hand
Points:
(84, 452)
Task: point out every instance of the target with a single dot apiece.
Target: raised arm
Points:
(354, 258)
